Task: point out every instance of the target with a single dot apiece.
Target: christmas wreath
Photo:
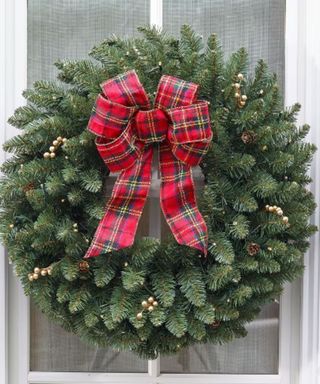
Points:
(209, 279)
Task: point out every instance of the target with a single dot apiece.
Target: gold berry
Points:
(150, 309)
(285, 219)
(44, 272)
(46, 155)
(150, 300)
(35, 276)
(139, 316)
(55, 142)
(36, 270)
(52, 148)
(155, 303)
(240, 76)
(269, 249)
(144, 304)
(64, 140)
(242, 103)
(237, 95)
(52, 155)
(59, 138)
(11, 226)
(49, 270)
(237, 85)
(244, 97)
(30, 277)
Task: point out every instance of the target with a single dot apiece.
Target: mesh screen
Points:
(259, 26)
(69, 29)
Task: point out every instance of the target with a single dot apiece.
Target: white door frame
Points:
(14, 306)
(305, 89)
(297, 333)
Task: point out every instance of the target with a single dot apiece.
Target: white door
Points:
(281, 346)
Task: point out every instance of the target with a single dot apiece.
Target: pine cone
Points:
(248, 137)
(253, 249)
(84, 266)
(215, 324)
(28, 187)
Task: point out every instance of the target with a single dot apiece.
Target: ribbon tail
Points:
(119, 224)
(178, 201)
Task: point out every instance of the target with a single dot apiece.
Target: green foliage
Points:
(219, 276)
(192, 285)
(206, 314)
(132, 278)
(176, 322)
(222, 249)
(143, 251)
(120, 304)
(197, 329)
(50, 208)
(103, 274)
(163, 284)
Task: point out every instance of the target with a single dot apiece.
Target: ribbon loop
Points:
(173, 92)
(191, 133)
(125, 128)
(126, 89)
(110, 123)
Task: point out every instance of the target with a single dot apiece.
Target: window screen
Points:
(257, 25)
(69, 29)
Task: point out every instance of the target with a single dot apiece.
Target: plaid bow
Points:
(126, 128)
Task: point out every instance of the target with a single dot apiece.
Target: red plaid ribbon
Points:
(126, 128)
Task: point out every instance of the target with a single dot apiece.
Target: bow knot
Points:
(126, 126)
(152, 125)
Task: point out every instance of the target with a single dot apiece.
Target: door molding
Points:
(3, 261)
(302, 79)
(14, 308)
(307, 84)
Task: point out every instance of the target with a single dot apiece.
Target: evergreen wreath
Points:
(158, 297)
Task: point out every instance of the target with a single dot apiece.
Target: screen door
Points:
(68, 29)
